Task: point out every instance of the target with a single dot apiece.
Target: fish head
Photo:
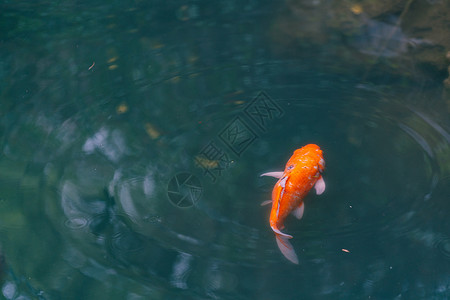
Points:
(309, 156)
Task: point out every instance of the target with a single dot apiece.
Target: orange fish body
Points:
(302, 173)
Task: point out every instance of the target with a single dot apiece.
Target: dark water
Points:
(133, 137)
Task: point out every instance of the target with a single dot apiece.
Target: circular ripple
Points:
(126, 241)
(76, 223)
(444, 246)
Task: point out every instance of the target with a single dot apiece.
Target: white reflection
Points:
(180, 270)
(149, 185)
(76, 209)
(9, 290)
(384, 39)
(127, 201)
(433, 124)
(188, 239)
(114, 182)
(74, 257)
(96, 141)
(66, 134)
(418, 138)
(111, 144)
(69, 200)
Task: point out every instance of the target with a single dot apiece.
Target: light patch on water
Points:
(77, 211)
(127, 201)
(76, 223)
(111, 144)
(112, 184)
(384, 39)
(149, 185)
(418, 138)
(9, 290)
(180, 270)
(66, 134)
(70, 196)
(74, 257)
(188, 239)
(96, 141)
(432, 123)
(219, 280)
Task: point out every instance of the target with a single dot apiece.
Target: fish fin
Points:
(283, 181)
(320, 186)
(278, 232)
(286, 248)
(298, 212)
(266, 202)
(273, 174)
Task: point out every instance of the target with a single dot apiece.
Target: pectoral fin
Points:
(320, 186)
(286, 248)
(266, 202)
(298, 212)
(273, 174)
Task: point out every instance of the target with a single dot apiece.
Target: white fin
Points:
(298, 212)
(283, 182)
(266, 202)
(286, 248)
(280, 233)
(320, 186)
(273, 174)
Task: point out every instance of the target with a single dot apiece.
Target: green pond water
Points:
(132, 138)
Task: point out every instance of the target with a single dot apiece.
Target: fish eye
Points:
(290, 167)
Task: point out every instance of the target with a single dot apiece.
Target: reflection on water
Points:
(92, 152)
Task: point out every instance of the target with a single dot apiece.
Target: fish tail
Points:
(286, 248)
(284, 245)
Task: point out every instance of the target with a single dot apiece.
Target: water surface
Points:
(107, 108)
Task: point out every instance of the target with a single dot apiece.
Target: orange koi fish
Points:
(302, 172)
